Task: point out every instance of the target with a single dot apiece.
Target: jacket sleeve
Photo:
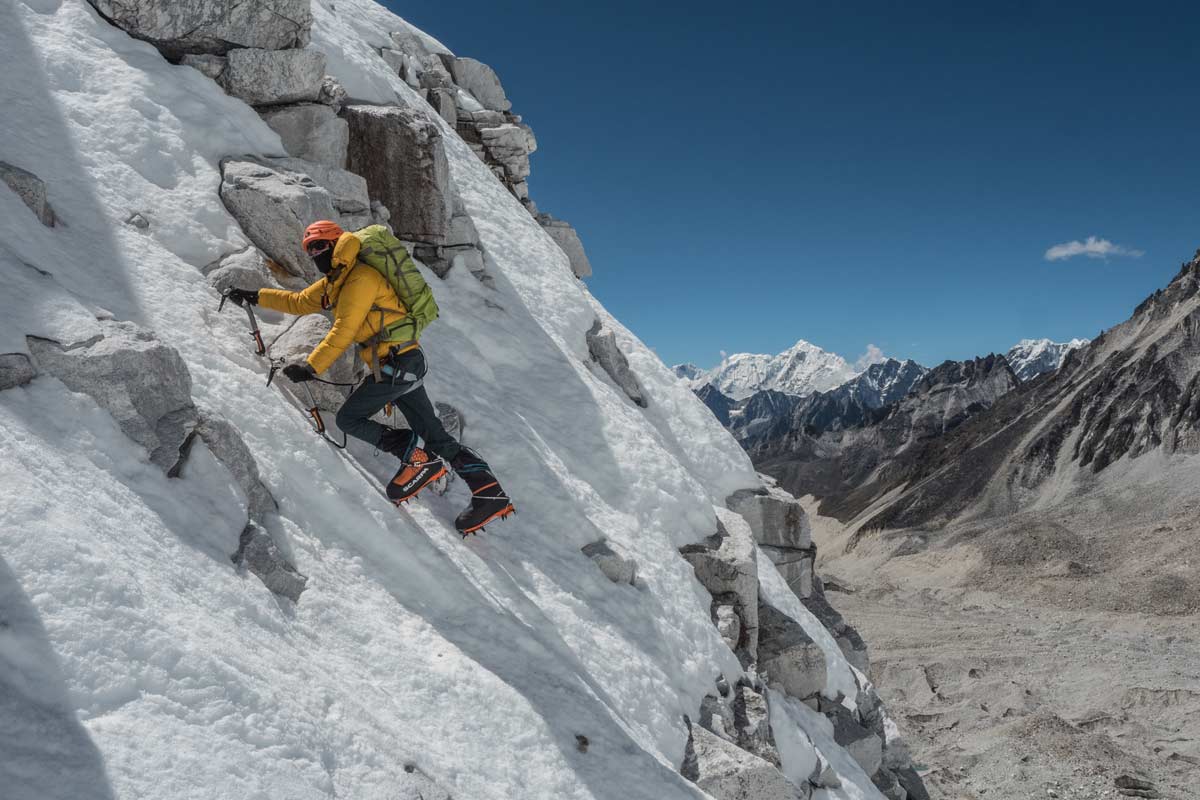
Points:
(305, 302)
(353, 305)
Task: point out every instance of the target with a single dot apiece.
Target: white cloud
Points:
(1093, 247)
(873, 356)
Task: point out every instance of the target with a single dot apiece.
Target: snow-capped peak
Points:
(1031, 357)
(800, 370)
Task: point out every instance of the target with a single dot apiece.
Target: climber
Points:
(368, 275)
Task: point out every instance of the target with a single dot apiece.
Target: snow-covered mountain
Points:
(687, 372)
(800, 370)
(1031, 357)
(201, 598)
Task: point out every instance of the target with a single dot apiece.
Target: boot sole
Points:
(412, 495)
(503, 513)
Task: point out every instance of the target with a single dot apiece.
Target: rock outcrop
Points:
(480, 80)
(788, 658)
(725, 565)
(311, 132)
(294, 344)
(400, 154)
(274, 203)
(727, 772)
(142, 382)
(211, 26)
(615, 567)
(227, 446)
(272, 77)
(782, 530)
(15, 370)
(565, 236)
(260, 555)
(245, 269)
(31, 189)
(602, 345)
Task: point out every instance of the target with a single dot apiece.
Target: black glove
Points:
(299, 373)
(240, 296)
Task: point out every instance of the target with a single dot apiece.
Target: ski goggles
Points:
(318, 247)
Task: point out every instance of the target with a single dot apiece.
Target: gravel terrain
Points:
(1039, 655)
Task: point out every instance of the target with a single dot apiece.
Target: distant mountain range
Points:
(800, 370)
(768, 401)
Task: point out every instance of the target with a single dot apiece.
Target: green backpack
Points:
(383, 252)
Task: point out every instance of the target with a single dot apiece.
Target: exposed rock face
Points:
(782, 530)
(564, 236)
(272, 77)
(401, 155)
(15, 370)
(727, 772)
(788, 658)
(614, 566)
(261, 556)
(211, 26)
(863, 744)
(31, 189)
(142, 382)
(274, 204)
(716, 402)
(480, 80)
(226, 445)
(725, 565)
(347, 191)
(604, 350)
(245, 269)
(311, 132)
(848, 639)
(296, 343)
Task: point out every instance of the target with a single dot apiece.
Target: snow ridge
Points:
(1032, 357)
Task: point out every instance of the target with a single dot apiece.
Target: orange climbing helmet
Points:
(321, 229)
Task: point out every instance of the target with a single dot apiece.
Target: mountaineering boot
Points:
(417, 468)
(488, 500)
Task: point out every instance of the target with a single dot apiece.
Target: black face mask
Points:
(324, 261)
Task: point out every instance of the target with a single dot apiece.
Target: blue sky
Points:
(745, 175)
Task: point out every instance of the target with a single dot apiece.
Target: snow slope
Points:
(135, 662)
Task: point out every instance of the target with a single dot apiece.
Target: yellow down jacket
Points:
(361, 301)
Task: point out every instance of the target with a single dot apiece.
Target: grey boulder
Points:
(401, 154)
(15, 370)
(227, 446)
(31, 189)
(727, 772)
(272, 77)
(259, 554)
(311, 132)
(509, 146)
(725, 565)
(614, 566)
(211, 26)
(480, 80)
(565, 236)
(602, 345)
(142, 382)
(245, 269)
(295, 344)
(274, 205)
(863, 744)
(788, 658)
(347, 191)
(777, 518)
(848, 639)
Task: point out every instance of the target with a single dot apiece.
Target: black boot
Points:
(417, 470)
(488, 500)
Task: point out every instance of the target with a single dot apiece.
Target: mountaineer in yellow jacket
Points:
(365, 308)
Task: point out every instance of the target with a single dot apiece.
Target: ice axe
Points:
(260, 347)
